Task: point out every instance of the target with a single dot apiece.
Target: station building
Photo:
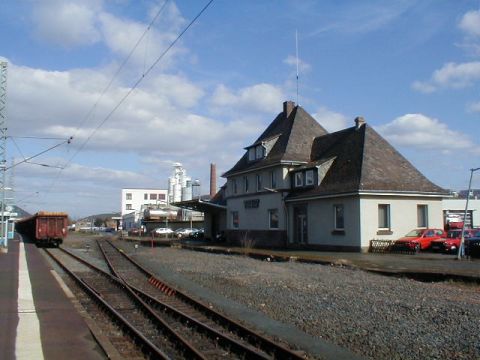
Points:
(299, 186)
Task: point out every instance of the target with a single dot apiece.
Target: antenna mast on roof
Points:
(296, 52)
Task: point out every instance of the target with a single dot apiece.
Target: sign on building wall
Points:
(252, 204)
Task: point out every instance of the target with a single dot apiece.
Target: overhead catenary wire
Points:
(26, 160)
(130, 91)
(136, 84)
(36, 137)
(140, 79)
(122, 65)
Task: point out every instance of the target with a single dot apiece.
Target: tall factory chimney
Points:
(213, 180)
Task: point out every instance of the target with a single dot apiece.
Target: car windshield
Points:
(414, 233)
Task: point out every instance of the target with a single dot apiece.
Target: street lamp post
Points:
(461, 249)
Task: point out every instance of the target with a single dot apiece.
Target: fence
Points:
(388, 247)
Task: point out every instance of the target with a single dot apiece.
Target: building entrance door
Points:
(300, 224)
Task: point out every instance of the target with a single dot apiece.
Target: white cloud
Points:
(474, 107)
(121, 35)
(470, 23)
(423, 132)
(364, 17)
(330, 120)
(67, 23)
(157, 121)
(78, 23)
(451, 75)
(260, 97)
(303, 67)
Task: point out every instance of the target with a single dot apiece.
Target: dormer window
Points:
(256, 152)
(305, 178)
(298, 179)
(309, 179)
(251, 154)
(259, 151)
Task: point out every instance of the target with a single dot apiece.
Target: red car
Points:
(420, 239)
(452, 242)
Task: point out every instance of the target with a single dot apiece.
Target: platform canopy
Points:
(200, 205)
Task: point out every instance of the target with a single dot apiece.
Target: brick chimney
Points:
(213, 180)
(288, 108)
(359, 121)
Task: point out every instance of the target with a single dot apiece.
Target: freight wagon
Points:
(44, 228)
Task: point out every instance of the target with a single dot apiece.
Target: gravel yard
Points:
(375, 316)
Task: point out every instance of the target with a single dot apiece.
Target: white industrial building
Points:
(133, 201)
(180, 186)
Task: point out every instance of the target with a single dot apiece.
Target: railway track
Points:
(165, 322)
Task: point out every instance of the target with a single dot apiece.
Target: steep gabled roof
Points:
(293, 132)
(364, 161)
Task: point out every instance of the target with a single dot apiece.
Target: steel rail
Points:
(152, 350)
(269, 346)
(185, 346)
(224, 340)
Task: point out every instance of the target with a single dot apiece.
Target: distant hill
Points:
(98, 216)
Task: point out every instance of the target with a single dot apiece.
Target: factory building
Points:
(154, 206)
(135, 199)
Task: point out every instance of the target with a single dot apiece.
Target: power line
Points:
(36, 137)
(26, 160)
(162, 55)
(90, 112)
(136, 84)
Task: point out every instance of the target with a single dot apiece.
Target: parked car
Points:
(420, 239)
(199, 234)
(472, 244)
(452, 241)
(162, 231)
(184, 232)
(135, 232)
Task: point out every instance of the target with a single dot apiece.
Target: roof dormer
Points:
(261, 149)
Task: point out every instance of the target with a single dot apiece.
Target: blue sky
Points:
(411, 68)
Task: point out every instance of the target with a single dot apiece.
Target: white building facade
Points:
(299, 186)
(133, 199)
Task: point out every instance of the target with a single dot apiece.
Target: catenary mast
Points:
(3, 151)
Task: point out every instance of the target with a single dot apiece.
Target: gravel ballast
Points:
(371, 315)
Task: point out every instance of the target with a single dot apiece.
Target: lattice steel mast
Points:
(3, 150)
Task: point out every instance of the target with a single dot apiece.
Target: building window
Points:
(245, 184)
(259, 150)
(161, 196)
(339, 217)
(235, 220)
(273, 218)
(298, 179)
(153, 196)
(251, 154)
(234, 185)
(128, 207)
(259, 182)
(145, 196)
(273, 179)
(383, 216)
(129, 196)
(309, 177)
(422, 216)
